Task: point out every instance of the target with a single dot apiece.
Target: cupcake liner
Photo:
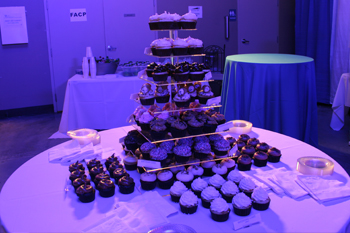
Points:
(163, 52)
(220, 217)
(207, 171)
(187, 184)
(197, 77)
(126, 189)
(244, 167)
(194, 130)
(169, 25)
(147, 102)
(182, 104)
(162, 99)
(130, 167)
(231, 169)
(197, 193)
(146, 185)
(181, 159)
(87, 197)
(220, 152)
(188, 25)
(107, 192)
(153, 25)
(274, 159)
(166, 184)
(180, 51)
(175, 198)
(154, 52)
(159, 77)
(203, 100)
(158, 135)
(261, 206)
(177, 133)
(146, 155)
(227, 198)
(181, 77)
(205, 203)
(149, 72)
(131, 146)
(200, 155)
(188, 210)
(195, 50)
(242, 212)
(208, 128)
(260, 163)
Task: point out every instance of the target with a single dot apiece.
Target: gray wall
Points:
(24, 69)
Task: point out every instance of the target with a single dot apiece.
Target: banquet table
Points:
(33, 198)
(341, 102)
(273, 91)
(99, 103)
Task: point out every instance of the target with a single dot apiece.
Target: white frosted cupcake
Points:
(177, 190)
(165, 179)
(188, 202)
(188, 21)
(260, 199)
(220, 169)
(180, 47)
(247, 186)
(235, 176)
(196, 170)
(207, 166)
(153, 22)
(198, 185)
(229, 190)
(185, 177)
(242, 205)
(208, 194)
(148, 180)
(216, 181)
(219, 210)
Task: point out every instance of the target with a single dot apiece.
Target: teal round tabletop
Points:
(269, 58)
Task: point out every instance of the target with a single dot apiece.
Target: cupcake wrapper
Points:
(153, 26)
(158, 135)
(197, 193)
(260, 163)
(163, 52)
(146, 155)
(182, 104)
(169, 25)
(196, 50)
(162, 99)
(228, 199)
(166, 184)
(203, 100)
(154, 52)
(145, 185)
(197, 77)
(223, 175)
(220, 217)
(187, 184)
(181, 77)
(242, 212)
(244, 167)
(177, 133)
(150, 72)
(200, 155)
(261, 206)
(87, 197)
(209, 128)
(126, 189)
(274, 159)
(180, 51)
(194, 130)
(107, 192)
(220, 152)
(130, 167)
(158, 78)
(116, 179)
(205, 204)
(188, 210)
(231, 169)
(147, 102)
(181, 159)
(207, 171)
(249, 194)
(188, 25)
(131, 146)
(175, 198)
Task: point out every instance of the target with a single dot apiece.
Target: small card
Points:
(208, 76)
(246, 222)
(215, 100)
(121, 140)
(148, 164)
(224, 127)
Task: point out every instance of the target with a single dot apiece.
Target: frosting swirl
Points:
(217, 181)
(164, 175)
(247, 184)
(178, 188)
(188, 198)
(241, 201)
(210, 193)
(235, 176)
(219, 205)
(229, 188)
(199, 184)
(260, 195)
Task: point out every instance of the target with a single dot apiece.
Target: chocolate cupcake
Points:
(220, 169)
(195, 46)
(146, 94)
(168, 146)
(247, 186)
(162, 94)
(240, 144)
(106, 188)
(126, 184)
(188, 202)
(170, 120)
(165, 179)
(196, 72)
(86, 193)
(244, 137)
(182, 98)
(188, 115)
(231, 140)
(242, 205)
(244, 162)
(262, 146)
(208, 195)
(158, 130)
(207, 165)
(192, 91)
(164, 47)
(180, 47)
(196, 170)
(260, 158)
(185, 177)
(176, 167)
(76, 166)
(80, 181)
(213, 138)
(95, 171)
(100, 177)
(220, 118)
(146, 149)
(198, 185)
(228, 190)
(195, 127)
(219, 210)
(178, 129)
(216, 181)
(260, 199)
(119, 173)
(160, 73)
(150, 68)
(188, 21)
(229, 163)
(204, 94)
(112, 159)
(185, 142)
(235, 176)
(181, 73)
(153, 22)
(274, 155)
(253, 141)
(159, 155)
(202, 150)
(148, 180)
(248, 150)
(114, 166)
(76, 174)
(145, 121)
(221, 147)
(130, 162)
(210, 125)
(92, 163)
(182, 153)
(176, 190)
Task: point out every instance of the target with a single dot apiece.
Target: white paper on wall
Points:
(13, 25)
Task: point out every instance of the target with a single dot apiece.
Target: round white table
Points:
(33, 198)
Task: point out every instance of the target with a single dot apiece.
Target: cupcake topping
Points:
(229, 163)
(260, 155)
(147, 147)
(260, 195)
(196, 170)
(179, 124)
(247, 184)
(202, 147)
(126, 180)
(219, 205)
(241, 201)
(146, 91)
(183, 150)
(199, 184)
(219, 169)
(168, 146)
(164, 175)
(84, 188)
(145, 118)
(217, 181)
(210, 193)
(205, 91)
(178, 188)
(229, 188)
(158, 154)
(222, 145)
(184, 176)
(105, 183)
(188, 198)
(235, 176)
(274, 152)
(148, 176)
(189, 17)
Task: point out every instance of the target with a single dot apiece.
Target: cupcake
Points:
(198, 185)
(202, 150)
(260, 199)
(95, 171)
(114, 166)
(195, 127)
(262, 146)
(201, 139)
(153, 22)
(213, 138)
(180, 47)
(219, 210)
(188, 202)
(165, 179)
(248, 150)
(100, 177)
(229, 163)
(170, 119)
(210, 125)
(137, 114)
(204, 94)
(231, 140)
(191, 91)
(195, 46)
(148, 180)
(260, 158)
(76, 166)
(163, 48)
(221, 147)
(188, 21)
(240, 144)
(130, 162)
(182, 153)
(244, 137)
(112, 159)
(169, 21)
(253, 142)
(216, 181)
(244, 162)
(126, 184)
(119, 173)
(182, 98)
(158, 129)
(162, 94)
(146, 149)
(176, 190)
(185, 177)
(242, 205)
(220, 118)
(220, 169)
(178, 129)
(188, 115)
(86, 193)
(185, 142)
(92, 163)
(159, 155)
(247, 186)
(182, 73)
(196, 170)
(234, 176)
(197, 86)
(205, 67)
(160, 73)
(106, 188)
(168, 146)
(274, 155)
(228, 190)
(209, 194)
(236, 155)
(146, 94)
(207, 165)
(80, 181)
(196, 72)
(150, 67)
(176, 167)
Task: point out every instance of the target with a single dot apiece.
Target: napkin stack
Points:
(141, 214)
(73, 152)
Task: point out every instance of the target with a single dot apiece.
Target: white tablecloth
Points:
(341, 100)
(33, 198)
(100, 103)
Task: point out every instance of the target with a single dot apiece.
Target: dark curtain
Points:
(313, 27)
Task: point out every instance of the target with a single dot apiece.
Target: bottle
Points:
(85, 67)
(92, 67)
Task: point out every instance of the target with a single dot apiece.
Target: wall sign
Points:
(232, 15)
(198, 10)
(77, 15)
(13, 25)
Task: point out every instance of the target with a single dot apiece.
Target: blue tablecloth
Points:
(273, 91)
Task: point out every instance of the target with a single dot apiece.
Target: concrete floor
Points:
(23, 137)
